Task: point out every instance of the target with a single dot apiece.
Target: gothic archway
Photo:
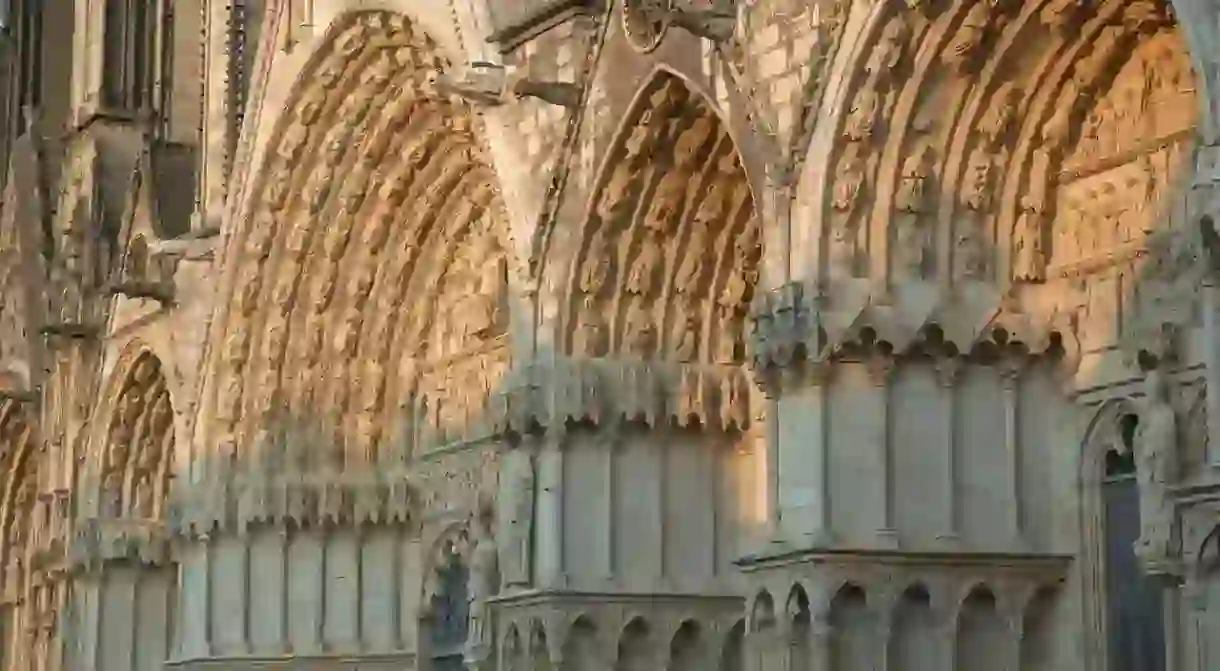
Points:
(1120, 602)
(669, 256)
(971, 131)
(20, 615)
(373, 254)
(138, 449)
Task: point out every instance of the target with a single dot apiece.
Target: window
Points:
(1134, 607)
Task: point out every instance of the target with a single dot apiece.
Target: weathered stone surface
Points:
(647, 334)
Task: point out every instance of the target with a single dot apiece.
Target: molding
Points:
(547, 15)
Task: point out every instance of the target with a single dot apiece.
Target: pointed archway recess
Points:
(138, 453)
(969, 129)
(18, 487)
(668, 259)
(375, 201)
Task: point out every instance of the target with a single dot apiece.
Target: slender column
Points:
(1011, 376)
(824, 379)
(549, 533)
(947, 370)
(881, 372)
(821, 638)
(1211, 339)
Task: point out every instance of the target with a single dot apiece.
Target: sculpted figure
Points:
(517, 493)
(595, 270)
(691, 141)
(970, 35)
(640, 333)
(483, 581)
(888, 53)
(849, 182)
(1029, 259)
(690, 270)
(643, 270)
(997, 121)
(1156, 467)
(862, 117)
(590, 337)
(914, 183)
(686, 332)
(977, 195)
(667, 202)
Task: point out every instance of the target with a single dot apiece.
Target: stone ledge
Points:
(395, 661)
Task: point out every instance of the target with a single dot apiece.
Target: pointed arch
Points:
(19, 473)
(668, 257)
(137, 450)
(959, 125)
(374, 220)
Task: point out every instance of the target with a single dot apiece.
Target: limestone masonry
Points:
(610, 335)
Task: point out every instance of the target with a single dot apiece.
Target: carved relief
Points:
(139, 445)
(913, 237)
(1156, 448)
(645, 22)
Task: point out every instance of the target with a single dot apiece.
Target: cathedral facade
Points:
(592, 335)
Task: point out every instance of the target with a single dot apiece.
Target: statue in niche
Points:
(483, 580)
(911, 203)
(849, 181)
(597, 266)
(639, 337)
(663, 212)
(889, 52)
(1156, 446)
(997, 121)
(686, 330)
(112, 495)
(1029, 257)
(516, 513)
(482, 276)
(643, 271)
(979, 167)
(970, 35)
(971, 255)
(590, 337)
(690, 143)
(694, 257)
(862, 117)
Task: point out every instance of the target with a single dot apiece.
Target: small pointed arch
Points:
(732, 652)
(853, 645)
(540, 652)
(762, 612)
(136, 260)
(686, 648)
(1038, 629)
(800, 621)
(637, 647)
(980, 628)
(136, 447)
(513, 650)
(914, 643)
(668, 257)
(582, 650)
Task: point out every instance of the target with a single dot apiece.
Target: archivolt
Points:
(669, 256)
(139, 445)
(344, 221)
(956, 127)
(18, 480)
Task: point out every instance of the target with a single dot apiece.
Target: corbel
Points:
(716, 24)
(491, 85)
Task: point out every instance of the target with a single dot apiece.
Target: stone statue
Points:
(1156, 465)
(483, 581)
(517, 517)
